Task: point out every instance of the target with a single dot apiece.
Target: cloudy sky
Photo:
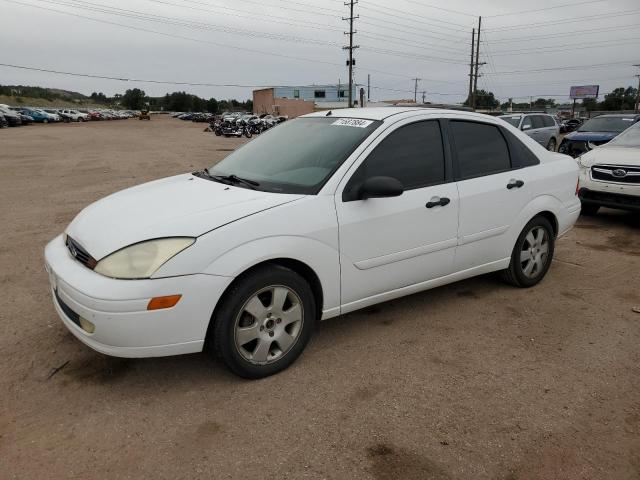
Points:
(530, 48)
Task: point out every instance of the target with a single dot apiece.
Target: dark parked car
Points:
(3, 121)
(594, 132)
(12, 118)
(26, 119)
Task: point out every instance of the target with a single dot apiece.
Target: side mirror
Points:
(380, 187)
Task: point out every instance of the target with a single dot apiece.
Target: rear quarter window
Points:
(521, 155)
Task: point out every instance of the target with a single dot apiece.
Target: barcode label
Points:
(353, 122)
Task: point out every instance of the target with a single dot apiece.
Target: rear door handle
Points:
(438, 202)
(514, 184)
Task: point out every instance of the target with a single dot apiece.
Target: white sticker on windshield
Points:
(353, 122)
(627, 119)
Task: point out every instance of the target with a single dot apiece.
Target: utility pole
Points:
(637, 109)
(477, 65)
(351, 47)
(473, 46)
(415, 91)
(368, 87)
(424, 97)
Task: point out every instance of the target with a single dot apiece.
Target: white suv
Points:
(326, 214)
(75, 115)
(610, 174)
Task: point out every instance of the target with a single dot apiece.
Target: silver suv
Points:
(541, 127)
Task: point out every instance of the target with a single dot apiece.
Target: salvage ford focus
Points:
(323, 215)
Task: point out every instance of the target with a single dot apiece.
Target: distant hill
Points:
(17, 95)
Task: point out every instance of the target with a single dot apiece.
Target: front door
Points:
(390, 243)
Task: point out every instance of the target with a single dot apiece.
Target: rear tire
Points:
(551, 146)
(532, 254)
(263, 322)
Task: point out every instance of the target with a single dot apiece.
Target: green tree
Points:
(619, 99)
(212, 105)
(134, 99)
(484, 100)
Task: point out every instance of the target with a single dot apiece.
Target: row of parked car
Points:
(16, 116)
(583, 137)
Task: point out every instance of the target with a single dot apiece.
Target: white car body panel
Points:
(362, 252)
(182, 205)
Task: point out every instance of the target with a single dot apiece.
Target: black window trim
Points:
(454, 151)
(347, 194)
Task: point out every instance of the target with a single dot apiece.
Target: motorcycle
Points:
(230, 129)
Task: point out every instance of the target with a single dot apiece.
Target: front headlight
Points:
(142, 259)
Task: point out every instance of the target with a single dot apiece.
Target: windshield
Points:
(297, 156)
(606, 124)
(513, 120)
(629, 138)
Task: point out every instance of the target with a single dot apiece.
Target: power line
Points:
(414, 14)
(139, 80)
(567, 34)
(580, 3)
(563, 68)
(562, 21)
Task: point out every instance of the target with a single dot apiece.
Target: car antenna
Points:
(328, 114)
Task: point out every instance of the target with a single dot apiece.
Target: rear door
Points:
(493, 190)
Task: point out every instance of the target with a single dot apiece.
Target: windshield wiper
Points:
(235, 179)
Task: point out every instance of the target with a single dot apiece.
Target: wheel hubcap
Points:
(269, 324)
(535, 252)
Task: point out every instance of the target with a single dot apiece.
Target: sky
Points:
(534, 49)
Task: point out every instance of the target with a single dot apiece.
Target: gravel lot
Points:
(475, 380)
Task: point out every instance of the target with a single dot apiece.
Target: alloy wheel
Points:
(269, 324)
(535, 252)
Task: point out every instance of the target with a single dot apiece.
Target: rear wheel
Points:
(551, 146)
(532, 254)
(264, 322)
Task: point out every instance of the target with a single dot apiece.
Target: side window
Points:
(548, 121)
(413, 154)
(481, 149)
(527, 124)
(538, 121)
(521, 156)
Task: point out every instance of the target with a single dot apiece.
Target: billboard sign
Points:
(584, 91)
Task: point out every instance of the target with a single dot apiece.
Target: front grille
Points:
(616, 173)
(80, 254)
(71, 315)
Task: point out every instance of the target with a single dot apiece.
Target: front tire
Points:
(532, 254)
(263, 322)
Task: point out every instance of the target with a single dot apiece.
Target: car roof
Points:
(382, 113)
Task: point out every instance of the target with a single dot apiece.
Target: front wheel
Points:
(247, 133)
(263, 322)
(532, 254)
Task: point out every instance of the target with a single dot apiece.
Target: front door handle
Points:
(514, 184)
(438, 202)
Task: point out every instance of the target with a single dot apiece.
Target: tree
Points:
(484, 100)
(544, 102)
(590, 104)
(212, 105)
(620, 99)
(134, 99)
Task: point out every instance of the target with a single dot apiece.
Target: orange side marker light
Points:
(158, 303)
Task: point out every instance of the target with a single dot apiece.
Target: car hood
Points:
(611, 155)
(591, 136)
(183, 205)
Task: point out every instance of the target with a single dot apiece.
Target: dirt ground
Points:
(475, 380)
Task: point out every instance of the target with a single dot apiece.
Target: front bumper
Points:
(624, 196)
(118, 308)
(610, 199)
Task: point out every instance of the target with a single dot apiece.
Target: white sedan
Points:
(324, 215)
(610, 174)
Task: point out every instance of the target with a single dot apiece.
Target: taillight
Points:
(577, 186)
